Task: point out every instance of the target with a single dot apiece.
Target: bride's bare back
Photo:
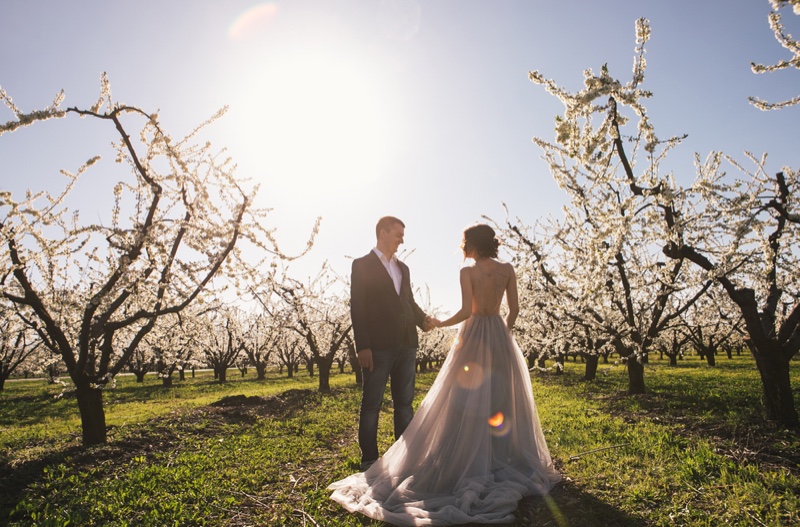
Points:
(483, 285)
(489, 279)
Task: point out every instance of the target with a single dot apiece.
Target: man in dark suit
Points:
(385, 320)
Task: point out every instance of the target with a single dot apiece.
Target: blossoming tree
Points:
(790, 44)
(319, 317)
(608, 227)
(751, 227)
(739, 232)
(18, 344)
(94, 289)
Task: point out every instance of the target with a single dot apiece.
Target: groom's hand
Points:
(365, 359)
(429, 324)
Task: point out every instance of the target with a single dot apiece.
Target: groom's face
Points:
(392, 238)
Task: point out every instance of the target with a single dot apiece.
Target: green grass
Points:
(693, 451)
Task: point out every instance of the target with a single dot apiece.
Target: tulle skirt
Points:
(474, 448)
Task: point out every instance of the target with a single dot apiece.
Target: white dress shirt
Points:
(392, 267)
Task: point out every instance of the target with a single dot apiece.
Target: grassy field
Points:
(693, 451)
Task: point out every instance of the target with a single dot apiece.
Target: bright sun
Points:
(323, 123)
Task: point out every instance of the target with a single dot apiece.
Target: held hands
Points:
(431, 323)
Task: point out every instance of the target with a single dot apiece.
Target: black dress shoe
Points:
(366, 464)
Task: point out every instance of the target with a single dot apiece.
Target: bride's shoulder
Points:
(505, 267)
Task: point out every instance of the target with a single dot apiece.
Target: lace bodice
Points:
(489, 283)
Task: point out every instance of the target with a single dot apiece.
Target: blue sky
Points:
(351, 109)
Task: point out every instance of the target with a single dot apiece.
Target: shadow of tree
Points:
(568, 505)
(158, 436)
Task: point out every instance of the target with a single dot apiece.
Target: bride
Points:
(475, 446)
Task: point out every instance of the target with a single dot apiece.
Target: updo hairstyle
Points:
(480, 240)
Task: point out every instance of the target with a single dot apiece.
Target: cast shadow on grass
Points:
(700, 402)
(568, 505)
(151, 439)
(33, 409)
(565, 506)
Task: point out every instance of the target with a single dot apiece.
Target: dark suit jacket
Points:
(382, 319)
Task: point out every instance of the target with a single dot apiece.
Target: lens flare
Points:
(252, 21)
(470, 376)
(500, 425)
(496, 420)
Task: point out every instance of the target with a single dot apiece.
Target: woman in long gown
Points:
(475, 446)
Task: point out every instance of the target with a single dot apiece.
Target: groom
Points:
(385, 319)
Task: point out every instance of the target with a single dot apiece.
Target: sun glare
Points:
(323, 123)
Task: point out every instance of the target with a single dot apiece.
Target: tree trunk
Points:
(325, 375)
(673, 360)
(2, 382)
(777, 397)
(93, 417)
(711, 358)
(166, 381)
(635, 375)
(140, 375)
(559, 369)
(591, 367)
(221, 374)
(290, 371)
(261, 371)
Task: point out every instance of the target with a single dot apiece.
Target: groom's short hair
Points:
(386, 223)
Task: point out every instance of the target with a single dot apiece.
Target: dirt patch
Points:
(163, 434)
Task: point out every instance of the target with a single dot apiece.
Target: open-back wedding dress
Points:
(475, 446)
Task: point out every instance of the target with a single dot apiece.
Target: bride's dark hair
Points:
(481, 239)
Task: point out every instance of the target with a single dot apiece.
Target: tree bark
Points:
(166, 381)
(635, 375)
(711, 358)
(777, 394)
(325, 375)
(590, 373)
(93, 417)
(673, 360)
(261, 371)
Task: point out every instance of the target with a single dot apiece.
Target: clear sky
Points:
(352, 109)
